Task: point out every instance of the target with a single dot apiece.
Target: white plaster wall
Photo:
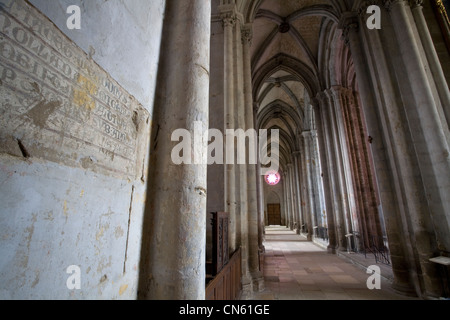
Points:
(122, 36)
(53, 217)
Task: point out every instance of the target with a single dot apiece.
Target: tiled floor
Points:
(296, 269)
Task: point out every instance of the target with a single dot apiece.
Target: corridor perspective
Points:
(297, 269)
(148, 149)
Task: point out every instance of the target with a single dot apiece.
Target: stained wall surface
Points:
(75, 115)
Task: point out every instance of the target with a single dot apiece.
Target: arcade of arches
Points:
(363, 121)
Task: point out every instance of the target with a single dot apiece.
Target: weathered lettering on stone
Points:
(60, 104)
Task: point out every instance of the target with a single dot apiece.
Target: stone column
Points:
(259, 177)
(315, 175)
(285, 198)
(173, 266)
(325, 175)
(399, 250)
(345, 183)
(255, 219)
(311, 217)
(288, 197)
(432, 56)
(301, 184)
(357, 157)
(304, 187)
(293, 196)
(339, 157)
(229, 21)
(296, 156)
(430, 135)
(318, 187)
(245, 229)
(337, 210)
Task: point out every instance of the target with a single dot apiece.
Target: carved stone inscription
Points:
(57, 104)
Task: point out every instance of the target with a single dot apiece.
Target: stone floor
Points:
(295, 269)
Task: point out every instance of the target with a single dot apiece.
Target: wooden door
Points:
(274, 214)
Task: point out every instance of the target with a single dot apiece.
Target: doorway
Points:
(274, 214)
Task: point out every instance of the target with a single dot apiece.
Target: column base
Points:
(332, 248)
(404, 290)
(247, 285)
(258, 282)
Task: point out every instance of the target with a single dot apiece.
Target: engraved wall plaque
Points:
(59, 104)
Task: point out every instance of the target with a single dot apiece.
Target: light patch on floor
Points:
(296, 269)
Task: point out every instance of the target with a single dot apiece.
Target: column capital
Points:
(337, 91)
(315, 102)
(363, 5)
(389, 3)
(415, 3)
(228, 20)
(228, 15)
(349, 21)
(247, 34)
(307, 134)
(321, 97)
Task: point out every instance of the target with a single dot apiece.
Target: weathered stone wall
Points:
(75, 116)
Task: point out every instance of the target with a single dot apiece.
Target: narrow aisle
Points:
(296, 269)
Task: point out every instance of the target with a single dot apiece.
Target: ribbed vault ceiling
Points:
(296, 53)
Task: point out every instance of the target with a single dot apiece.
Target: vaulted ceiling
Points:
(297, 51)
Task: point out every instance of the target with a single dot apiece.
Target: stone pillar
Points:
(339, 157)
(312, 215)
(304, 188)
(325, 175)
(259, 177)
(229, 21)
(293, 196)
(356, 154)
(285, 200)
(296, 156)
(337, 210)
(245, 229)
(318, 187)
(174, 264)
(255, 219)
(345, 182)
(287, 190)
(399, 250)
(430, 135)
(432, 56)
